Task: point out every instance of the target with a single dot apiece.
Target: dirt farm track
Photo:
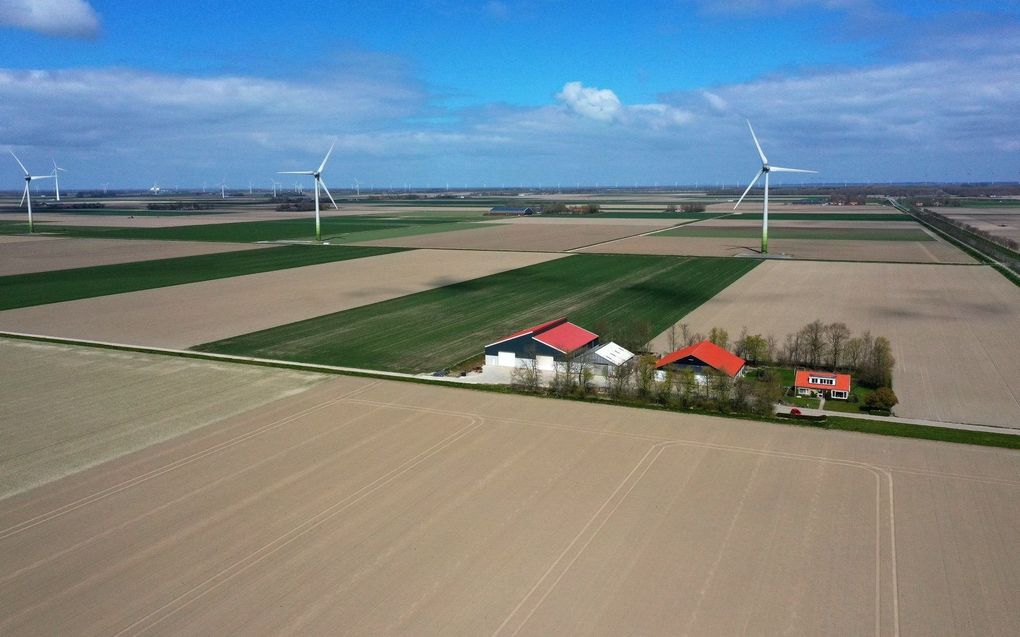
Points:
(361, 506)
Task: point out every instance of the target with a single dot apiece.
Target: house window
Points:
(820, 380)
(836, 393)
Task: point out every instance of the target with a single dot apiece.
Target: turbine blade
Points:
(23, 169)
(761, 153)
(749, 186)
(780, 169)
(326, 158)
(295, 172)
(24, 193)
(323, 184)
(34, 177)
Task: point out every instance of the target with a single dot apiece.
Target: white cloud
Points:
(70, 18)
(598, 104)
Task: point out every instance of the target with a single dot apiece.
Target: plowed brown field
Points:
(373, 507)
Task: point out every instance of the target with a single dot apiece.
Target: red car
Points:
(794, 412)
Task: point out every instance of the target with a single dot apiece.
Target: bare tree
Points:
(686, 336)
(852, 353)
(813, 337)
(527, 377)
(673, 338)
(620, 379)
(837, 335)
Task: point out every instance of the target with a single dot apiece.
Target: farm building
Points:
(510, 211)
(701, 358)
(830, 384)
(547, 343)
(605, 358)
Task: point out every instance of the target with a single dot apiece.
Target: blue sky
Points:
(530, 91)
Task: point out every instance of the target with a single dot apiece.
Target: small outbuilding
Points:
(701, 358)
(511, 211)
(604, 358)
(546, 344)
(829, 384)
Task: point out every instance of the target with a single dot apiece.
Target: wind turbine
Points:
(357, 186)
(27, 196)
(319, 183)
(223, 188)
(765, 170)
(56, 178)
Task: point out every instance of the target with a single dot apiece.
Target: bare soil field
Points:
(181, 316)
(936, 251)
(953, 329)
(540, 237)
(1003, 224)
(373, 507)
(63, 409)
(65, 253)
(23, 238)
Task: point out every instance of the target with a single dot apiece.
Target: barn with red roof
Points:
(702, 358)
(546, 343)
(807, 382)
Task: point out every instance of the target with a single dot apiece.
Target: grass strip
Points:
(38, 288)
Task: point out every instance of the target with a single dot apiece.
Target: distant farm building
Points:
(509, 211)
(829, 384)
(546, 344)
(701, 358)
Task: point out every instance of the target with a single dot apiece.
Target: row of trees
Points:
(637, 381)
(817, 345)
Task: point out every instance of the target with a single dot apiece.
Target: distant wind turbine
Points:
(765, 170)
(319, 183)
(357, 186)
(56, 178)
(27, 195)
(223, 188)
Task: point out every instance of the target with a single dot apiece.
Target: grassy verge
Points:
(831, 234)
(963, 436)
(37, 288)
(434, 329)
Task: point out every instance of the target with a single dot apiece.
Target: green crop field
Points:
(437, 328)
(37, 288)
(844, 234)
(243, 232)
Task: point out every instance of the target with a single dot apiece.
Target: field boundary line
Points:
(172, 466)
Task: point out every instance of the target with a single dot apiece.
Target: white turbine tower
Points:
(319, 183)
(765, 170)
(357, 186)
(56, 178)
(27, 195)
(223, 188)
